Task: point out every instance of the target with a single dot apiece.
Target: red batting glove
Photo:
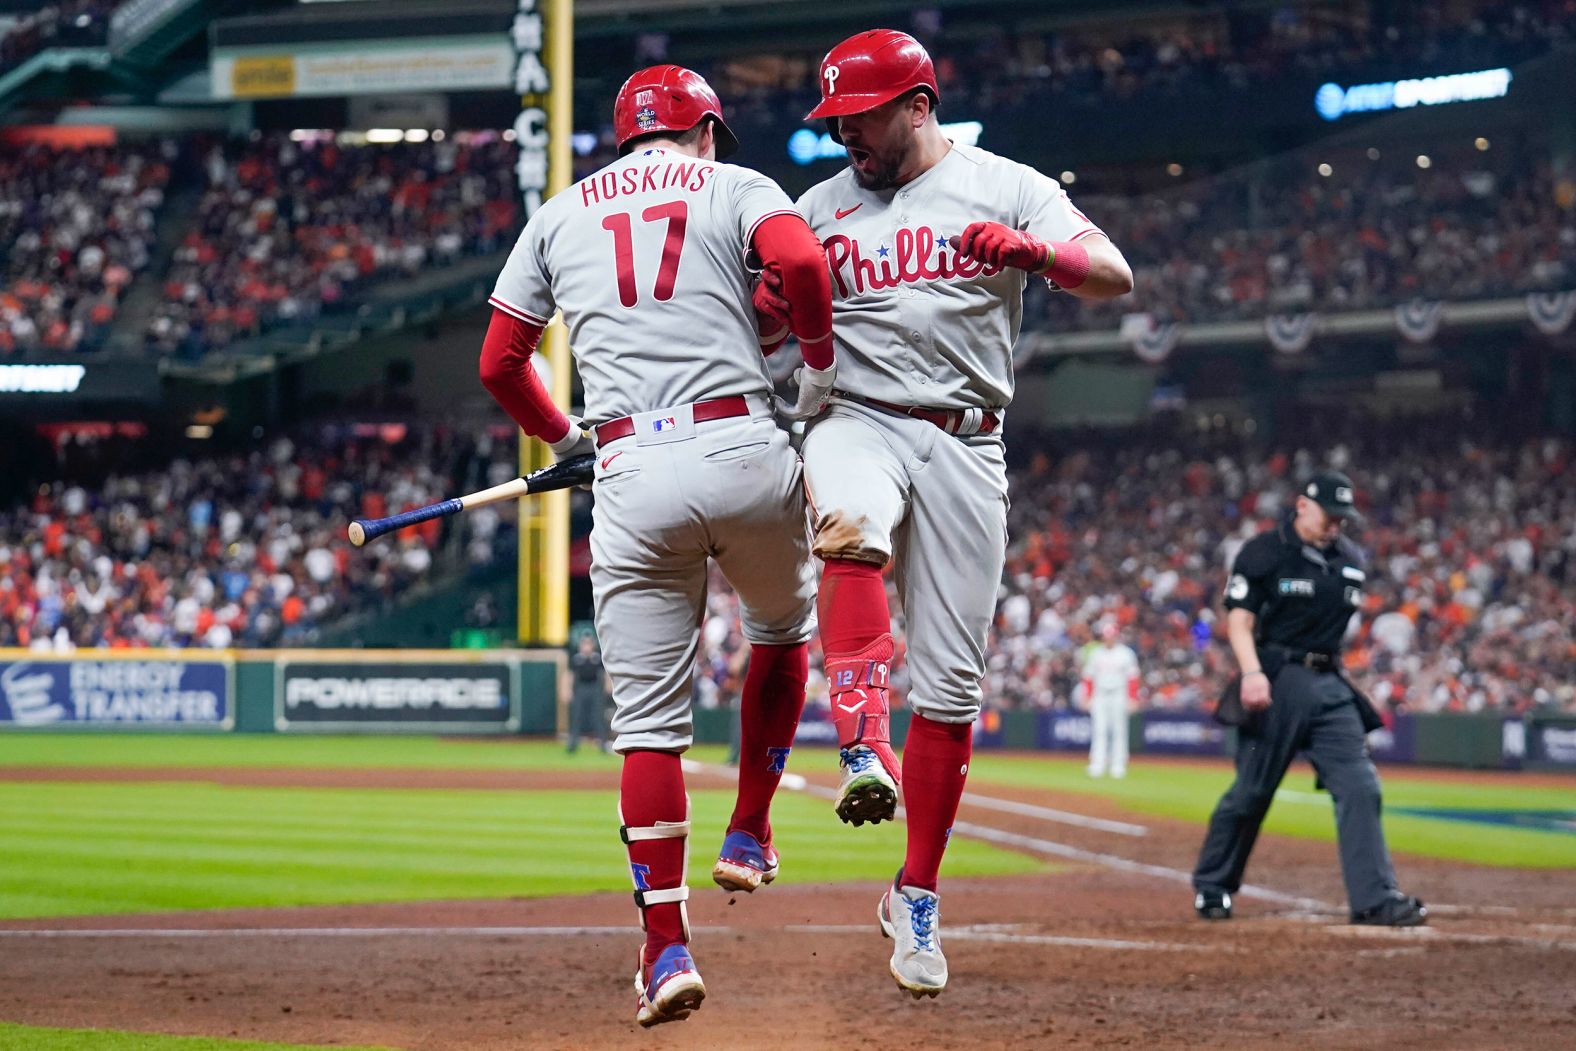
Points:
(996, 245)
(771, 310)
(771, 306)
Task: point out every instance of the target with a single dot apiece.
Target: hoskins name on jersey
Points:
(610, 184)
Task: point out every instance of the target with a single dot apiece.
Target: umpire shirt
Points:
(1303, 596)
(586, 668)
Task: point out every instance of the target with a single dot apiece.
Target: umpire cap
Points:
(1334, 492)
(668, 98)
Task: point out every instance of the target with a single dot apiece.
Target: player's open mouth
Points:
(859, 157)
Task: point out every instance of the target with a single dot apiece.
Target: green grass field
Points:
(1191, 791)
(34, 1038)
(84, 848)
(81, 848)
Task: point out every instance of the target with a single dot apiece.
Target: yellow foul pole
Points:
(543, 35)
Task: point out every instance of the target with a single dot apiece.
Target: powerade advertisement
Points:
(442, 697)
(58, 693)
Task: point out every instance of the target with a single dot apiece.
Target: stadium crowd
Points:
(76, 227)
(243, 550)
(287, 230)
(1284, 238)
(1470, 605)
(990, 68)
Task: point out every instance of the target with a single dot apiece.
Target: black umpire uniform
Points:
(1303, 597)
(587, 696)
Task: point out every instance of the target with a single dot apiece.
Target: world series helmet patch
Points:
(646, 119)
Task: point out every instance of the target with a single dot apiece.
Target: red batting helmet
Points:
(668, 98)
(871, 68)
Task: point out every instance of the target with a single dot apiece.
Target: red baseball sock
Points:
(935, 766)
(652, 790)
(852, 606)
(768, 716)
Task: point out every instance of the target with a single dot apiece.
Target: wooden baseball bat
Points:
(576, 470)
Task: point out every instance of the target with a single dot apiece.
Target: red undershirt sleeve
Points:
(786, 242)
(509, 377)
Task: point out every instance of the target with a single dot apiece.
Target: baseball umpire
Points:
(1293, 591)
(646, 259)
(930, 245)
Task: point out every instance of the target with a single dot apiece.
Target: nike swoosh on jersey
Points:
(841, 212)
(610, 459)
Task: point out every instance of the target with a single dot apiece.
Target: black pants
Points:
(1313, 712)
(586, 717)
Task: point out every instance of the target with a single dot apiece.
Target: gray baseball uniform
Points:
(1109, 669)
(917, 326)
(646, 260)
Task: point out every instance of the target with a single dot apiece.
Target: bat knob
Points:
(358, 534)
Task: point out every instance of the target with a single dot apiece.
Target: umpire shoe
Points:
(1398, 910)
(866, 792)
(910, 916)
(670, 988)
(744, 862)
(1212, 905)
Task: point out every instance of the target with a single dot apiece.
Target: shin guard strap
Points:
(661, 830)
(660, 897)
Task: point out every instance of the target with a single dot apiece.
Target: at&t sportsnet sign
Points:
(444, 697)
(65, 693)
(1334, 102)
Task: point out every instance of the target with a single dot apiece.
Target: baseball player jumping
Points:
(929, 245)
(646, 259)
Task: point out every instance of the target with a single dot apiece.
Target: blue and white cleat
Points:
(670, 989)
(867, 791)
(910, 916)
(744, 863)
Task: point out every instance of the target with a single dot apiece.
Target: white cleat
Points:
(866, 792)
(910, 916)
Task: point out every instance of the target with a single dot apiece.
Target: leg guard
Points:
(860, 710)
(674, 891)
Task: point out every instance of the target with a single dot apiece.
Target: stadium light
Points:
(199, 431)
(1069, 178)
(416, 135)
(384, 135)
(1173, 169)
(1325, 170)
(1373, 153)
(1481, 143)
(1423, 161)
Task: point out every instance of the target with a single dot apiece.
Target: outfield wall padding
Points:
(508, 691)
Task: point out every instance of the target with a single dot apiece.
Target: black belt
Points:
(1311, 659)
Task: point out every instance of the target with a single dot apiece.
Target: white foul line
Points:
(1063, 850)
(1012, 806)
(797, 783)
(984, 933)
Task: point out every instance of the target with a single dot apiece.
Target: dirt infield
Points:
(1104, 953)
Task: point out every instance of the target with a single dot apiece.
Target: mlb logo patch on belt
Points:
(661, 426)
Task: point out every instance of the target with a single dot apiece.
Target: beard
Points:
(884, 173)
